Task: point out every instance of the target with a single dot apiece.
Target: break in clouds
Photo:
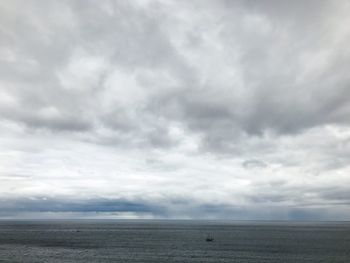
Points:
(175, 109)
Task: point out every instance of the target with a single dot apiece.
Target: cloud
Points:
(280, 75)
(223, 104)
(253, 164)
(109, 208)
(52, 205)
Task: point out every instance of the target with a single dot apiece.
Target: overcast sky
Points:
(175, 109)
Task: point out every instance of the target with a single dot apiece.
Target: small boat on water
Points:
(209, 238)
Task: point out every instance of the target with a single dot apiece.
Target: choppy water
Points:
(173, 241)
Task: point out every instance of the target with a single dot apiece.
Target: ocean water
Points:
(173, 241)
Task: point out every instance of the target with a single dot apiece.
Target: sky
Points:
(175, 109)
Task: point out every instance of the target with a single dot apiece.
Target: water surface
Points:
(173, 241)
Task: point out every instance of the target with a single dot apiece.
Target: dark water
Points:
(173, 241)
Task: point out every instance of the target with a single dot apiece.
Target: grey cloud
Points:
(338, 194)
(253, 164)
(170, 209)
(133, 38)
(44, 43)
(265, 85)
(280, 98)
(64, 205)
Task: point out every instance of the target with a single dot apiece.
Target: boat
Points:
(209, 238)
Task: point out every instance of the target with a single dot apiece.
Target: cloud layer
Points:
(225, 109)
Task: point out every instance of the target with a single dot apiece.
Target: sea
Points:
(173, 241)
